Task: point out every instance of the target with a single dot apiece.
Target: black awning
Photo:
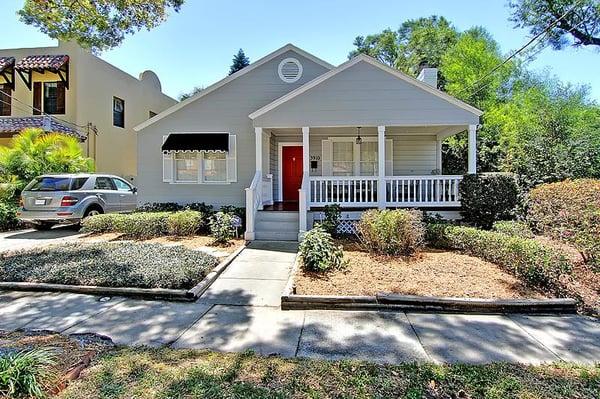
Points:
(196, 142)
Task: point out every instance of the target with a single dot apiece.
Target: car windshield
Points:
(48, 183)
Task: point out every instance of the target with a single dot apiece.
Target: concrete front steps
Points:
(276, 226)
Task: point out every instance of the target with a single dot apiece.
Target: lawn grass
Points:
(166, 373)
(109, 264)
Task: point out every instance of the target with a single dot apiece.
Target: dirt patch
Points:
(192, 242)
(430, 273)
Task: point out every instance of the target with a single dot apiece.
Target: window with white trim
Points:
(186, 167)
(214, 167)
(343, 158)
(368, 158)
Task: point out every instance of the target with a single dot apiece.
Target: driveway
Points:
(30, 238)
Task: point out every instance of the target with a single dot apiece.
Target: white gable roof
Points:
(364, 58)
(230, 78)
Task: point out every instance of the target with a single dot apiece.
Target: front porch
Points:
(371, 167)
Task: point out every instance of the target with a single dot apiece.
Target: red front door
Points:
(291, 176)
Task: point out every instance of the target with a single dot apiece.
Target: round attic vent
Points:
(290, 70)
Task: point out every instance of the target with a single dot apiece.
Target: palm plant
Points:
(34, 152)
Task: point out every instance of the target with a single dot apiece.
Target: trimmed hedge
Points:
(391, 232)
(513, 228)
(537, 264)
(110, 264)
(569, 211)
(487, 198)
(142, 225)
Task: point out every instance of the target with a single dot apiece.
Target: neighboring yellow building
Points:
(68, 89)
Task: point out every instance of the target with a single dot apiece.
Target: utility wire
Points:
(517, 52)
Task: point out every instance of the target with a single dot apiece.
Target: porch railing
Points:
(267, 190)
(253, 204)
(361, 191)
(429, 190)
(347, 191)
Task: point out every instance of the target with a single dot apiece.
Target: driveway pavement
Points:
(241, 311)
(30, 238)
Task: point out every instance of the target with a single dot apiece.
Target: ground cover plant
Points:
(109, 264)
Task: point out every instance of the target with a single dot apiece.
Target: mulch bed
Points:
(430, 273)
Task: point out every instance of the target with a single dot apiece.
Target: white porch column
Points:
(472, 166)
(381, 189)
(258, 132)
(303, 194)
(438, 155)
(305, 153)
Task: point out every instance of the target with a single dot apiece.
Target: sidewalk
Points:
(241, 311)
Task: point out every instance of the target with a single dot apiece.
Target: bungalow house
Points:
(291, 133)
(68, 89)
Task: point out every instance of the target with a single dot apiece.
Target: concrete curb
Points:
(143, 293)
(385, 301)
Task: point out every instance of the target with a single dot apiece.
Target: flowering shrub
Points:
(222, 227)
(569, 211)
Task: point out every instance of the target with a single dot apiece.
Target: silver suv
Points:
(68, 198)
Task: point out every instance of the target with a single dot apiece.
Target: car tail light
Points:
(67, 200)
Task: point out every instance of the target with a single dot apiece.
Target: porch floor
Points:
(289, 206)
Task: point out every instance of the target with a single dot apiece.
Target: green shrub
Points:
(103, 223)
(318, 251)
(391, 232)
(24, 373)
(237, 211)
(513, 228)
(569, 211)
(222, 227)
(487, 198)
(134, 225)
(159, 207)
(332, 218)
(184, 223)
(537, 264)
(8, 216)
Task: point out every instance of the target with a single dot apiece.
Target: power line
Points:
(517, 52)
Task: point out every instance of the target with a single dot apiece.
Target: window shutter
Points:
(5, 100)
(167, 164)
(327, 162)
(60, 98)
(231, 159)
(389, 157)
(37, 98)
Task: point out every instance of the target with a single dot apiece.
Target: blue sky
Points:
(195, 46)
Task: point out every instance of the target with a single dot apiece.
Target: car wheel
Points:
(92, 212)
(43, 226)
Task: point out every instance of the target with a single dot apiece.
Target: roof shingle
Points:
(6, 62)
(52, 62)
(16, 124)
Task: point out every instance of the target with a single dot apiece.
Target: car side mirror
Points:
(134, 190)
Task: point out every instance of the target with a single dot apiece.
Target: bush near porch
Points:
(569, 211)
(109, 264)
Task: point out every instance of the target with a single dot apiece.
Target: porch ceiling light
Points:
(358, 138)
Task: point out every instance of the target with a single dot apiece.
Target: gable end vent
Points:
(290, 70)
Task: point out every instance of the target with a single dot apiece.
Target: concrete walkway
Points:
(241, 311)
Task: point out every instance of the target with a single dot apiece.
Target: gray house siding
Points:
(368, 96)
(224, 110)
